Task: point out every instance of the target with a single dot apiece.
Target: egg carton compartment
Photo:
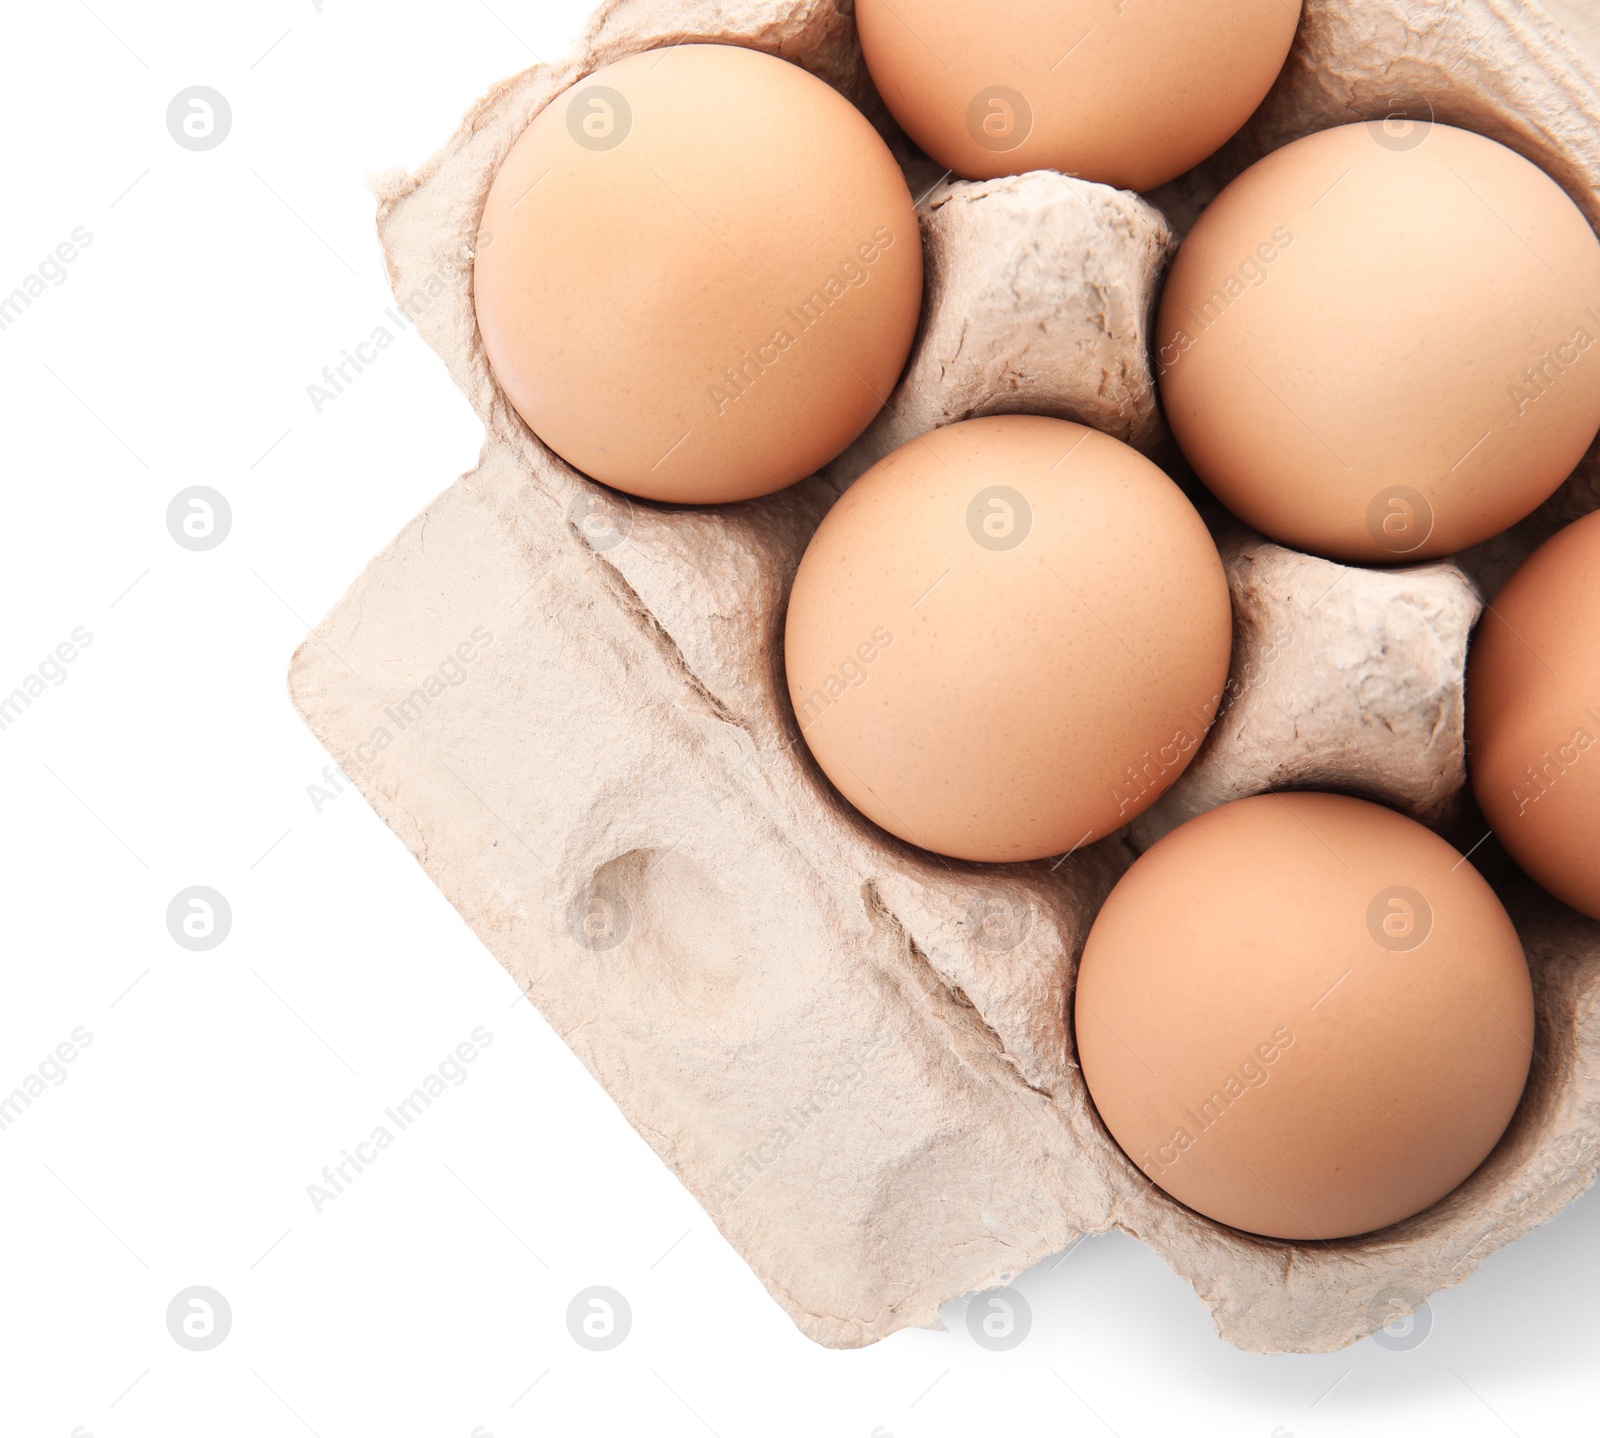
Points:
(857, 1055)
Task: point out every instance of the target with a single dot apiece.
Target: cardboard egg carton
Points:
(857, 1055)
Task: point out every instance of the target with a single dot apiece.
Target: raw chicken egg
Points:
(1533, 715)
(1304, 1016)
(1008, 638)
(699, 273)
(1380, 342)
(1124, 92)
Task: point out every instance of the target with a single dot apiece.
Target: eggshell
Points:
(698, 274)
(1124, 92)
(1379, 343)
(1008, 638)
(1533, 715)
(1304, 1015)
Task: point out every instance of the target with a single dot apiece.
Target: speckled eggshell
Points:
(1124, 92)
(698, 274)
(1008, 638)
(1304, 1016)
(1382, 342)
(1533, 715)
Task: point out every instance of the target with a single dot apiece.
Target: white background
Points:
(429, 1298)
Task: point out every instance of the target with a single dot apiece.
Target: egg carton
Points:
(855, 1054)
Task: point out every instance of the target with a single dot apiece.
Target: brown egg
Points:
(1304, 1016)
(1533, 715)
(1379, 343)
(1007, 638)
(698, 274)
(1124, 92)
